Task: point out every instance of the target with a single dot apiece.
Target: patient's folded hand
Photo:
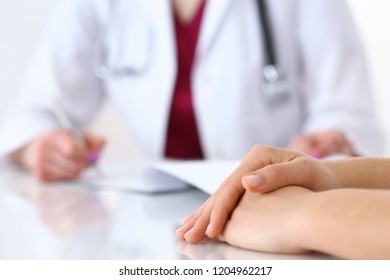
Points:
(270, 222)
(209, 220)
(263, 169)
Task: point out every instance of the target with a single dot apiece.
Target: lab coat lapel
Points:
(159, 14)
(160, 17)
(213, 18)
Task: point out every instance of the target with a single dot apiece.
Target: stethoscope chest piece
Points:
(275, 86)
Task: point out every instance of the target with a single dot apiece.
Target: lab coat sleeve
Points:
(60, 68)
(337, 88)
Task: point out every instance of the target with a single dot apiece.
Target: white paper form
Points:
(135, 176)
(161, 176)
(204, 175)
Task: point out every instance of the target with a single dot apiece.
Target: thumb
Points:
(275, 176)
(94, 146)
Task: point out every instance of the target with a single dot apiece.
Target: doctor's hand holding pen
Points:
(57, 155)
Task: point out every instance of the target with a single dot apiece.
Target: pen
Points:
(75, 133)
(66, 124)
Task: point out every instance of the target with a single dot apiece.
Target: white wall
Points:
(20, 27)
(21, 24)
(372, 17)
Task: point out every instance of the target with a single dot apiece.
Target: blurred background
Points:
(22, 23)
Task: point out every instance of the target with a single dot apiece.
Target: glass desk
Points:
(69, 221)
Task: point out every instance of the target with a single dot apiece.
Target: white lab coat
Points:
(317, 48)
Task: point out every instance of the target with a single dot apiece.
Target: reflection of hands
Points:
(263, 169)
(56, 156)
(64, 210)
(215, 250)
(269, 222)
(207, 250)
(322, 144)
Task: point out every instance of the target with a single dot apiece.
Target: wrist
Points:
(319, 224)
(18, 157)
(326, 175)
(299, 226)
(305, 220)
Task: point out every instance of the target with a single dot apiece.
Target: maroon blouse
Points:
(182, 135)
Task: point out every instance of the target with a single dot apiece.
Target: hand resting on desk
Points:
(323, 144)
(342, 214)
(296, 169)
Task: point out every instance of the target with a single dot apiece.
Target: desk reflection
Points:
(68, 221)
(215, 250)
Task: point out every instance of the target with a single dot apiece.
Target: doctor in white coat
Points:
(125, 51)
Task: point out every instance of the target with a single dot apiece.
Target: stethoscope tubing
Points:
(275, 85)
(266, 33)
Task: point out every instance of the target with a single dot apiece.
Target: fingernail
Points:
(93, 157)
(208, 230)
(254, 181)
(188, 234)
(186, 220)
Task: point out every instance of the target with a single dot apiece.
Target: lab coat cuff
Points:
(16, 134)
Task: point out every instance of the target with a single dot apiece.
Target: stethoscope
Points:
(100, 64)
(275, 85)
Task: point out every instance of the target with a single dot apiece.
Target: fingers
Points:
(268, 222)
(56, 167)
(57, 156)
(71, 149)
(223, 207)
(186, 220)
(263, 169)
(304, 143)
(260, 156)
(210, 219)
(333, 142)
(195, 227)
(65, 145)
(275, 176)
(322, 144)
(223, 237)
(197, 232)
(95, 144)
(70, 167)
